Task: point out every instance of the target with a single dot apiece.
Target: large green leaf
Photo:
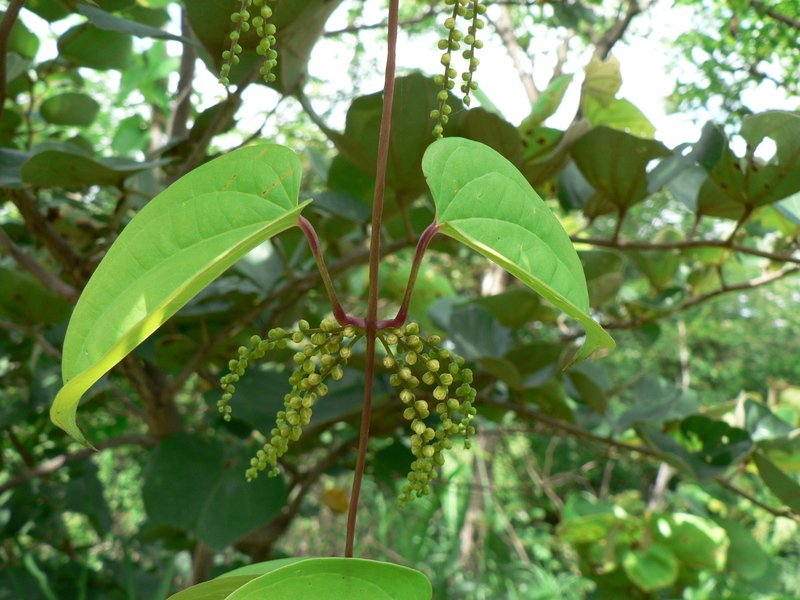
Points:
(654, 568)
(70, 109)
(66, 165)
(199, 486)
(619, 114)
(738, 185)
(483, 201)
(695, 541)
(615, 164)
(88, 46)
(337, 579)
(415, 97)
(180, 242)
(782, 485)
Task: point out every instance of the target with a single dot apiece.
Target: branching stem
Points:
(374, 263)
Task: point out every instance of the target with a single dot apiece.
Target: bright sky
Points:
(646, 73)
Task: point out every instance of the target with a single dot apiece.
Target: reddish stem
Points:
(419, 253)
(374, 263)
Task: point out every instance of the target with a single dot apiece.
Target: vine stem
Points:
(374, 263)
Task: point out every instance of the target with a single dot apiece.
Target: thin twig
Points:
(45, 277)
(786, 20)
(521, 60)
(683, 244)
(55, 463)
(581, 433)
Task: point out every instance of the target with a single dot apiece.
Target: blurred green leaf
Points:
(88, 46)
(651, 569)
(70, 108)
(199, 485)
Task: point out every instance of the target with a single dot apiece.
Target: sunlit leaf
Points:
(484, 202)
(180, 242)
(338, 579)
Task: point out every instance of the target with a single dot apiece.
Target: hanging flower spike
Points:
(240, 19)
(321, 356)
(448, 44)
(471, 40)
(266, 31)
(443, 370)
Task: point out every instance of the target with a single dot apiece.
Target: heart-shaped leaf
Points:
(179, 243)
(483, 201)
(337, 579)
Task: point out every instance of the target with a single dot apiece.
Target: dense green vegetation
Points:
(666, 467)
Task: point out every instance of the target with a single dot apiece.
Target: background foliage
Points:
(666, 468)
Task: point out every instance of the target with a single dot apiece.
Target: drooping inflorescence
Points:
(260, 20)
(322, 352)
(470, 10)
(441, 371)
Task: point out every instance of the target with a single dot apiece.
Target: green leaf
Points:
(762, 424)
(697, 542)
(602, 79)
(487, 128)
(515, 307)
(88, 46)
(620, 114)
(66, 165)
(199, 486)
(179, 243)
(738, 185)
(719, 444)
(619, 177)
(338, 579)
(71, 108)
(547, 103)
(11, 162)
(782, 485)
(108, 22)
(216, 589)
(652, 569)
(746, 557)
(415, 97)
(24, 300)
(604, 273)
(483, 201)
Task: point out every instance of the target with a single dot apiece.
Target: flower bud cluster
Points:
(323, 351)
(243, 20)
(468, 9)
(453, 396)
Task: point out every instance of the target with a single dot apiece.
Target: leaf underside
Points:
(179, 243)
(484, 202)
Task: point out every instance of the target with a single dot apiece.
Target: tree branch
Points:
(432, 12)
(55, 463)
(683, 244)
(606, 42)
(725, 289)
(45, 277)
(6, 25)
(581, 433)
(775, 14)
(176, 127)
(519, 57)
(44, 231)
